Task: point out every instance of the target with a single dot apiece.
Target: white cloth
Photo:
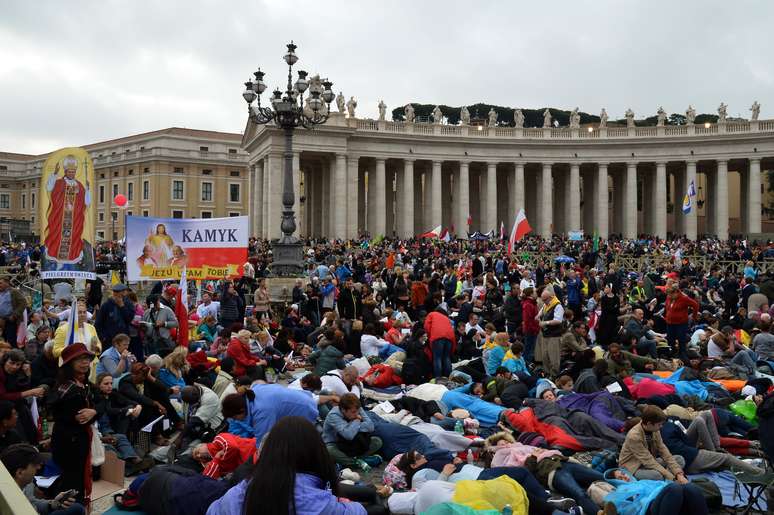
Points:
(334, 384)
(428, 392)
(210, 309)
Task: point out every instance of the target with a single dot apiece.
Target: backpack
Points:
(604, 460)
(129, 499)
(532, 438)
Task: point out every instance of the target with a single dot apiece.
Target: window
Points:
(204, 149)
(114, 215)
(32, 201)
(179, 169)
(177, 190)
(24, 201)
(130, 191)
(3, 168)
(145, 213)
(233, 192)
(102, 176)
(206, 172)
(5, 201)
(115, 235)
(101, 235)
(232, 151)
(32, 219)
(234, 173)
(115, 174)
(145, 190)
(101, 216)
(177, 213)
(115, 190)
(145, 170)
(131, 172)
(206, 214)
(206, 192)
(128, 213)
(102, 194)
(234, 213)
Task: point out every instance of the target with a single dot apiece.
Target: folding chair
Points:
(755, 485)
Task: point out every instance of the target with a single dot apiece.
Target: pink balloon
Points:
(120, 200)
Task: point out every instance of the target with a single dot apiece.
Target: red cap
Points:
(171, 290)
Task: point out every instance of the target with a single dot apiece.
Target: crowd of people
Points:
(403, 376)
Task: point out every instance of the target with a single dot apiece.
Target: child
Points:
(513, 360)
(564, 384)
(496, 355)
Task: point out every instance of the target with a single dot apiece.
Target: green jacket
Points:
(326, 359)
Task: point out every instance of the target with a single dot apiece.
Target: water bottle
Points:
(470, 456)
(458, 428)
(507, 510)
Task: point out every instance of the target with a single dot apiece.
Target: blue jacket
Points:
(677, 443)
(495, 359)
(486, 412)
(516, 365)
(273, 402)
(311, 496)
(573, 288)
(169, 379)
(336, 426)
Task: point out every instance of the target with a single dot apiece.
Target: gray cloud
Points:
(80, 71)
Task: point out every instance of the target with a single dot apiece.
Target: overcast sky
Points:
(78, 72)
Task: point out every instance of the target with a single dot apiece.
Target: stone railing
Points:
(553, 133)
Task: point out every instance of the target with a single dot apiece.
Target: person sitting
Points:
(224, 454)
(201, 413)
(293, 469)
(348, 433)
(34, 346)
(45, 367)
(496, 354)
(340, 382)
(23, 462)
(117, 359)
(328, 356)
(644, 454)
(115, 411)
(141, 387)
(174, 369)
(513, 360)
(244, 362)
(15, 386)
(8, 420)
(224, 380)
(637, 329)
(208, 329)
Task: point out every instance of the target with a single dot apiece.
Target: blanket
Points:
(428, 392)
(397, 439)
(588, 432)
(605, 407)
(486, 413)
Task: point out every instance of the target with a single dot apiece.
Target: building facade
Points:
(169, 173)
(383, 177)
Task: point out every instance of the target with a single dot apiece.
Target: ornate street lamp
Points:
(288, 111)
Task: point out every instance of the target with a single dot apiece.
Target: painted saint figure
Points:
(161, 245)
(66, 214)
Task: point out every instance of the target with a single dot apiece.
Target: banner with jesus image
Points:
(67, 215)
(208, 248)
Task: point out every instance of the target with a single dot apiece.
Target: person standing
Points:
(12, 306)
(440, 339)
(529, 324)
(551, 319)
(115, 316)
(676, 313)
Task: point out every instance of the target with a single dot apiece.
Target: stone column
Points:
(547, 202)
(573, 213)
(371, 201)
(340, 211)
(296, 191)
(660, 201)
(427, 201)
(325, 198)
(380, 198)
(518, 191)
(601, 208)
(491, 197)
(265, 198)
(407, 199)
(630, 202)
(417, 216)
(754, 197)
(690, 218)
(463, 200)
(257, 200)
(354, 195)
(437, 201)
(362, 197)
(389, 203)
(720, 209)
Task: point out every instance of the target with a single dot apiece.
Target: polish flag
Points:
(470, 220)
(435, 233)
(181, 311)
(520, 229)
(445, 236)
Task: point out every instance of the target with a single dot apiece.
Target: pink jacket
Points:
(515, 454)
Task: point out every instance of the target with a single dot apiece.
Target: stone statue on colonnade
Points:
(756, 110)
(629, 117)
(492, 117)
(382, 110)
(722, 112)
(661, 116)
(603, 119)
(351, 105)
(690, 115)
(465, 115)
(437, 115)
(546, 118)
(340, 102)
(408, 112)
(518, 118)
(574, 119)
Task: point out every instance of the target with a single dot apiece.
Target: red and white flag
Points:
(445, 236)
(520, 229)
(470, 220)
(435, 233)
(21, 331)
(502, 230)
(181, 311)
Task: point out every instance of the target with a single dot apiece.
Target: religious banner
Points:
(208, 248)
(67, 215)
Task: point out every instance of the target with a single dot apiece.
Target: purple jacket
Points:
(312, 498)
(603, 406)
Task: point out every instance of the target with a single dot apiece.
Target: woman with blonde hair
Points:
(175, 368)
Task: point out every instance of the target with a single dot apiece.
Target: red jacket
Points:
(240, 353)
(529, 326)
(228, 452)
(437, 326)
(384, 376)
(676, 311)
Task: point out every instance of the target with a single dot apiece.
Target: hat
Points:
(542, 387)
(171, 290)
(749, 390)
(119, 287)
(19, 456)
(294, 307)
(74, 351)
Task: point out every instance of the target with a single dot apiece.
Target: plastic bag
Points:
(492, 494)
(745, 409)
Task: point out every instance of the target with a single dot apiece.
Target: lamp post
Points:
(287, 112)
